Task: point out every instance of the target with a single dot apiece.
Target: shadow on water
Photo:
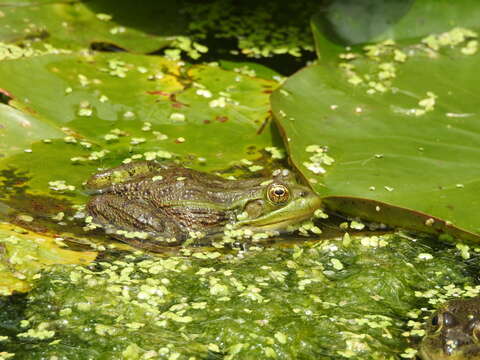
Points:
(147, 16)
(227, 49)
(152, 18)
(12, 309)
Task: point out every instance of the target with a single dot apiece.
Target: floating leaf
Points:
(23, 254)
(399, 146)
(111, 107)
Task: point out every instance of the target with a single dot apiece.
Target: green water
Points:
(337, 299)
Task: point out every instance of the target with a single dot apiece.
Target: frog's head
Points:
(278, 202)
(453, 332)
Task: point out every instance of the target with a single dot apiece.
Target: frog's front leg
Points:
(124, 218)
(123, 173)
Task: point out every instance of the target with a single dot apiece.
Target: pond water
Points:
(361, 297)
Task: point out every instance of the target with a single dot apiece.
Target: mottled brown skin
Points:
(132, 198)
(453, 332)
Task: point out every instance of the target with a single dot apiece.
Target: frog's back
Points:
(102, 181)
(162, 184)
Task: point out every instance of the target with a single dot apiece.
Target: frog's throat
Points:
(459, 353)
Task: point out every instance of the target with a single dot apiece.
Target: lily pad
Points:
(394, 141)
(18, 130)
(74, 25)
(23, 254)
(126, 104)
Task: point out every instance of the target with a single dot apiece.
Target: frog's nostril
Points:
(303, 194)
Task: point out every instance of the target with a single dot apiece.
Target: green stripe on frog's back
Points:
(103, 180)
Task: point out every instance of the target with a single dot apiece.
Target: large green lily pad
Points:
(403, 134)
(74, 25)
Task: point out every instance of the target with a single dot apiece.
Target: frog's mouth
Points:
(431, 349)
(299, 210)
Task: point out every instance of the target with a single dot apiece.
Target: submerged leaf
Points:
(23, 254)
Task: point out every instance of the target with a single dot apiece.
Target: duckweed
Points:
(104, 17)
(317, 300)
(11, 51)
(251, 25)
(318, 159)
(379, 71)
(136, 141)
(275, 152)
(60, 186)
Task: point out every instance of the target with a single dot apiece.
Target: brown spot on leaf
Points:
(222, 119)
(206, 121)
(158, 92)
(175, 103)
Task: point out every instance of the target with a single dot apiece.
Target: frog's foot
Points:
(134, 222)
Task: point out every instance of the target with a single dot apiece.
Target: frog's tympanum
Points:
(453, 332)
(169, 202)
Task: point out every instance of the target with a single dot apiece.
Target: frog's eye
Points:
(436, 321)
(278, 193)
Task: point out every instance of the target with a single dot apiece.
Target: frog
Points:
(165, 203)
(453, 332)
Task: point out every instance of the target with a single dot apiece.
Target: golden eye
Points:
(278, 193)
